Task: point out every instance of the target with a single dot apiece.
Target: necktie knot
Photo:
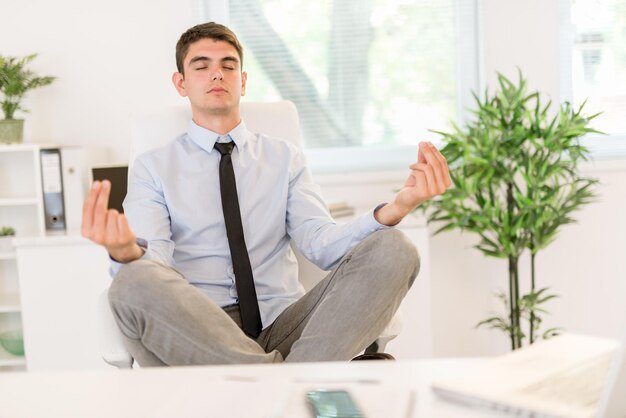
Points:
(225, 148)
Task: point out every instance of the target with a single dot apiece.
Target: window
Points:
(370, 78)
(599, 61)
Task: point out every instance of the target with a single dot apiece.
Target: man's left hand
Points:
(429, 177)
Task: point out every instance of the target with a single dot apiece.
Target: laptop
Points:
(566, 376)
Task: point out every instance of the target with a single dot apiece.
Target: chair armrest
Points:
(110, 337)
(393, 328)
(391, 331)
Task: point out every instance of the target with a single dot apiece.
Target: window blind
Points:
(599, 61)
(362, 73)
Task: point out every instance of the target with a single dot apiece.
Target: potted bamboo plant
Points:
(15, 81)
(516, 181)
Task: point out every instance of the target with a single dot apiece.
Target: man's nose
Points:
(217, 75)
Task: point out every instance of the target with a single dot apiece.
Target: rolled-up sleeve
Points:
(309, 223)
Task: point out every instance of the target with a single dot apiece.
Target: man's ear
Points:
(179, 83)
(244, 78)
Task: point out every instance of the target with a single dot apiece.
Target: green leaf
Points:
(552, 332)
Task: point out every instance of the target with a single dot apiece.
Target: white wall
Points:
(115, 57)
(523, 34)
(111, 58)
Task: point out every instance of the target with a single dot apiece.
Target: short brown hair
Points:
(209, 30)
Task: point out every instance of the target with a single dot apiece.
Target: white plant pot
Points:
(6, 244)
(11, 131)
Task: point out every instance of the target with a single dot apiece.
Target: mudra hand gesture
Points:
(108, 227)
(428, 178)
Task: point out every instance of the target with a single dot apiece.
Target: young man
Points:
(211, 278)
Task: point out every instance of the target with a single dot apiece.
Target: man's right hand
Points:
(108, 227)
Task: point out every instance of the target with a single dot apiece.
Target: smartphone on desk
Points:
(333, 404)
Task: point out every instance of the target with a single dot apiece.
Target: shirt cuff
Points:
(116, 265)
(368, 223)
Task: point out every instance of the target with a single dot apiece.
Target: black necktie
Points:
(248, 304)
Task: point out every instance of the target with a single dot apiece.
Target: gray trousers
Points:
(168, 322)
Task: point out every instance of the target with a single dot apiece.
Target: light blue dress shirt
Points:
(174, 203)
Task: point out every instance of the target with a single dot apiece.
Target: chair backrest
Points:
(153, 130)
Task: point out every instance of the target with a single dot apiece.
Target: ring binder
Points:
(52, 185)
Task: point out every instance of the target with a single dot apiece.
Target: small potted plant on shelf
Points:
(6, 237)
(15, 82)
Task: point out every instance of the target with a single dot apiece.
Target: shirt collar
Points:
(206, 139)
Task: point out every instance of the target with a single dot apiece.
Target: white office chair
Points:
(278, 119)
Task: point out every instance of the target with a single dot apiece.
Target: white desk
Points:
(381, 388)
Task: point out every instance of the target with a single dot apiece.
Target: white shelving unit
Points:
(19, 202)
(7, 255)
(10, 302)
(21, 207)
(9, 360)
